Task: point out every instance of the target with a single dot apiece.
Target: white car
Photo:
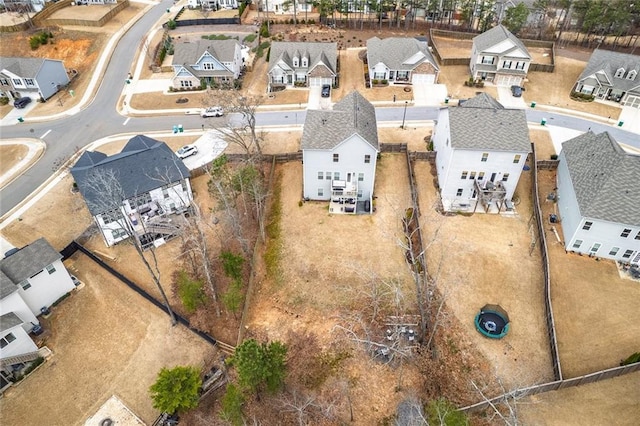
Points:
(186, 151)
(212, 112)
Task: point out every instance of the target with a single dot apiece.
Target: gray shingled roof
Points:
(327, 129)
(394, 51)
(29, 260)
(496, 35)
(23, 67)
(6, 285)
(8, 321)
(326, 53)
(609, 62)
(604, 178)
(188, 52)
(482, 123)
(144, 164)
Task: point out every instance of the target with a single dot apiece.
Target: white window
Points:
(625, 233)
(336, 158)
(328, 176)
(632, 75)
(464, 175)
(25, 284)
(627, 254)
(480, 175)
(595, 247)
(516, 158)
(118, 233)
(29, 82)
(638, 236)
(336, 175)
(4, 81)
(506, 64)
(459, 192)
(520, 65)
(295, 62)
(17, 82)
(577, 244)
(485, 156)
(587, 226)
(320, 175)
(505, 177)
(620, 73)
(614, 251)
(186, 83)
(320, 192)
(359, 193)
(488, 60)
(472, 175)
(51, 269)
(305, 62)
(360, 177)
(6, 339)
(367, 159)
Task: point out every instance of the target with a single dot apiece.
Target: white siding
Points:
(21, 345)
(14, 303)
(47, 288)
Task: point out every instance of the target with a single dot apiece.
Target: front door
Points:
(493, 177)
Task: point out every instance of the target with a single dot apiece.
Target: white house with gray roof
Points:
(499, 57)
(598, 198)
(339, 152)
(401, 60)
(141, 191)
(481, 148)
(216, 62)
(302, 64)
(31, 279)
(612, 76)
(37, 78)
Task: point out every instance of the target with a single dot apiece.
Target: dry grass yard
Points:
(10, 155)
(454, 76)
(594, 308)
(456, 48)
(542, 142)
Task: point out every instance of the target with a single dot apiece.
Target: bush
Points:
(241, 8)
(190, 291)
(171, 24)
(375, 81)
(577, 96)
(264, 30)
(250, 38)
(633, 358)
(4, 100)
(554, 156)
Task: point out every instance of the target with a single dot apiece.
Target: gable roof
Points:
(395, 51)
(604, 178)
(609, 62)
(482, 123)
(189, 52)
(28, 261)
(6, 285)
(9, 320)
(327, 129)
(23, 67)
(496, 35)
(326, 53)
(142, 165)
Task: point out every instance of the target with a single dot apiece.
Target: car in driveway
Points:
(22, 102)
(516, 91)
(326, 91)
(212, 112)
(186, 151)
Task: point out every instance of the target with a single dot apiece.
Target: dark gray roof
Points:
(482, 123)
(496, 35)
(142, 165)
(24, 67)
(604, 178)
(395, 51)
(326, 53)
(326, 129)
(29, 260)
(6, 285)
(8, 321)
(189, 52)
(609, 62)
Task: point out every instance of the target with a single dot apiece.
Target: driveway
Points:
(12, 116)
(508, 100)
(630, 118)
(210, 146)
(429, 94)
(314, 98)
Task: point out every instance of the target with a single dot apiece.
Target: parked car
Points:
(212, 112)
(22, 102)
(516, 91)
(187, 151)
(326, 91)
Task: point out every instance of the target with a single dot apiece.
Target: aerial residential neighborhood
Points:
(222, 212)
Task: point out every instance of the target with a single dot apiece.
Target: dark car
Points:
(516, 91)
(326, 91)
(22, 102)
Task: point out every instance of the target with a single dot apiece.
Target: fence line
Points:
(547, 164)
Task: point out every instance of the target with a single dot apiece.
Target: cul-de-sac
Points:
(327, 212)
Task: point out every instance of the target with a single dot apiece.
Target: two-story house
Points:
(499, 57)
(212, 4)
(31, 280)
(36, 78)
(302, 64)
(481, 150)
(140, 192)
(598, 198)
(282, 7)
(339, 153)
(401, 60)
(613, 76)
(214, 62)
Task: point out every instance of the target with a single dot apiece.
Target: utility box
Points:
(533, 104)
(543, 121)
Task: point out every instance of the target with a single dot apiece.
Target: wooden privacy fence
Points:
(393, 147)
(87, 22)
(547, 164)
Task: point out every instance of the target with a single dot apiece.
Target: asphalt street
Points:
(100, 119)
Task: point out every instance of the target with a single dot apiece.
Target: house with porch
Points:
(611, 76)
(140, 192)
(598, 198)
(339, 153)
(31, 280)
(499, 57)
(212, 4)
(401, 60)
(302, 64)
(482, 149)
(281, 7)
(214, 62)
(37, 78)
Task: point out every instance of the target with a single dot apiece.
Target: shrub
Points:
(264, 30)
(241, 8)
(554, 156)
(250, 38)
(231, 405)
(34, 42)
(633, 358)
(4, 100)
(171, 24)
(375, 81)
(190, 291)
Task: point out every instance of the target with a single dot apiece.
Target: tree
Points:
(444, 413)
(190, 292)
(516, 17)
(232, 403)
(176, 390)
(260, 365)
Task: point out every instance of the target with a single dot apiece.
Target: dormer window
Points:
(620, 73)
(632, 75)
(295, 61)
(305, 62)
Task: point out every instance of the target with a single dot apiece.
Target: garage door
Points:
(508, 80)
(319, 81)
(423, 78)
(632, 101)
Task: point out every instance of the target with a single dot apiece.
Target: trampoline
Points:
(492, 321)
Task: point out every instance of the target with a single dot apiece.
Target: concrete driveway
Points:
(429, 94)
(12, 116)
(314, 98)
(210, 146)
(508, 100)
(630, 118)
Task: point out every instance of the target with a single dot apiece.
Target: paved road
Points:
(100, 119)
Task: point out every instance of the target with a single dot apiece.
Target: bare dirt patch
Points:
(542, 142)
(595, 310)
(457, 48)
(454, 77)
(11, 155)
(106, 340)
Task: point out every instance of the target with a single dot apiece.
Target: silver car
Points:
(212, 112)
(187, 151)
